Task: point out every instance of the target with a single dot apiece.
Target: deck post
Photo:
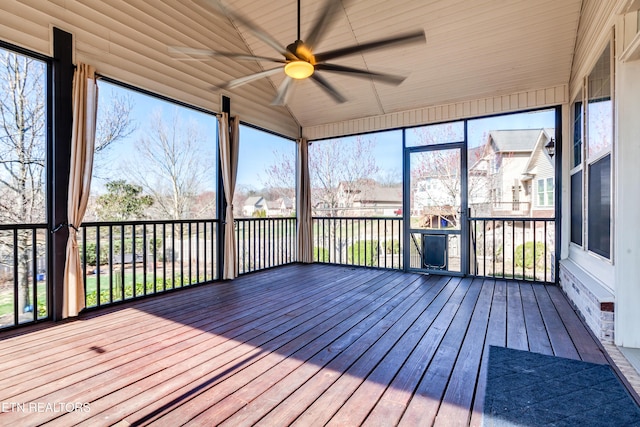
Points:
(557, 194)
(221, 202)
(60, 117)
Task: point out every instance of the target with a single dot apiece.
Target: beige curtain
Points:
(85, 106)
(303, 204)
(229, 137)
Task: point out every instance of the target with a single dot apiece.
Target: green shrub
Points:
(524, 255)
(161, 285)
(390, 246)
(92, 254)
(128, 246)
(363, 252)
(320, 254)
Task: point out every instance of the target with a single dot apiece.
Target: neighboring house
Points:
(517, 173)
(436, 199)
(254, 204)
(510, 175)
(367, 197)
(539, 176)
(283, 206)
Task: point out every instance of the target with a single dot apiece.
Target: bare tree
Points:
(23, 152)
(170, 163)
(281, 175)
(436, 177)
(438, 181)
(339, 172)
(22, 157)
(22, 140)
(114, 123)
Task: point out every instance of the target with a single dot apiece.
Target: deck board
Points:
(457, 402)
(300, 344)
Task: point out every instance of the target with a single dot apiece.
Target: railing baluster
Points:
(144, 259)
(16, 288)
(155, 259)
(110, 233)
(164, 256)
(493, 245)
(545, 252)
(84, 265)
(98, 268)
(503, 247)
(484, 248)
(122, 249)
(534, 248)
(133, 259)
(34, 275)
(197, 252)
(181, 254)
(513, 249)
(524, 248)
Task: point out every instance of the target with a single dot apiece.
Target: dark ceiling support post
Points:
(558, 195)
(58, 164)
(221, 202)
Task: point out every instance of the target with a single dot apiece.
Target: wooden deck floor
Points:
(301, 344)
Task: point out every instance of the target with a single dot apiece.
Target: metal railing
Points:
(362, 241)
(23, 274)
(264, 243)
(513, 248)
(127, 260)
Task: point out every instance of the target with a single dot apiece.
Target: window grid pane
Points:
(576, 208)
(600, 107)
(577, 131)
(599, 220)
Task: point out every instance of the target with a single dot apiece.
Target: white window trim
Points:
(600, 266)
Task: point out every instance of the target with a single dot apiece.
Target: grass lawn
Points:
(7, 298)
(117, 287)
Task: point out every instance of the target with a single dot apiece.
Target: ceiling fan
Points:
(299, 59)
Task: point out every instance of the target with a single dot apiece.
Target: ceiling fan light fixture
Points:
(298, 69)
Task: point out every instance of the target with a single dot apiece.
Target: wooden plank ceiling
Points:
(474, 49)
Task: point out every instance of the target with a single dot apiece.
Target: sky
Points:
(260, 149)
(117, 158)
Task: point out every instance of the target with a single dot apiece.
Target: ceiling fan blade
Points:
(213, 53)
(248, 79)
(356, 72)
(414, 37)
(283, 92)
(325, 15)
(248, 24)
(328, 88)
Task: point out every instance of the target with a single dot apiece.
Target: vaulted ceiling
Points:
(474, 49)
